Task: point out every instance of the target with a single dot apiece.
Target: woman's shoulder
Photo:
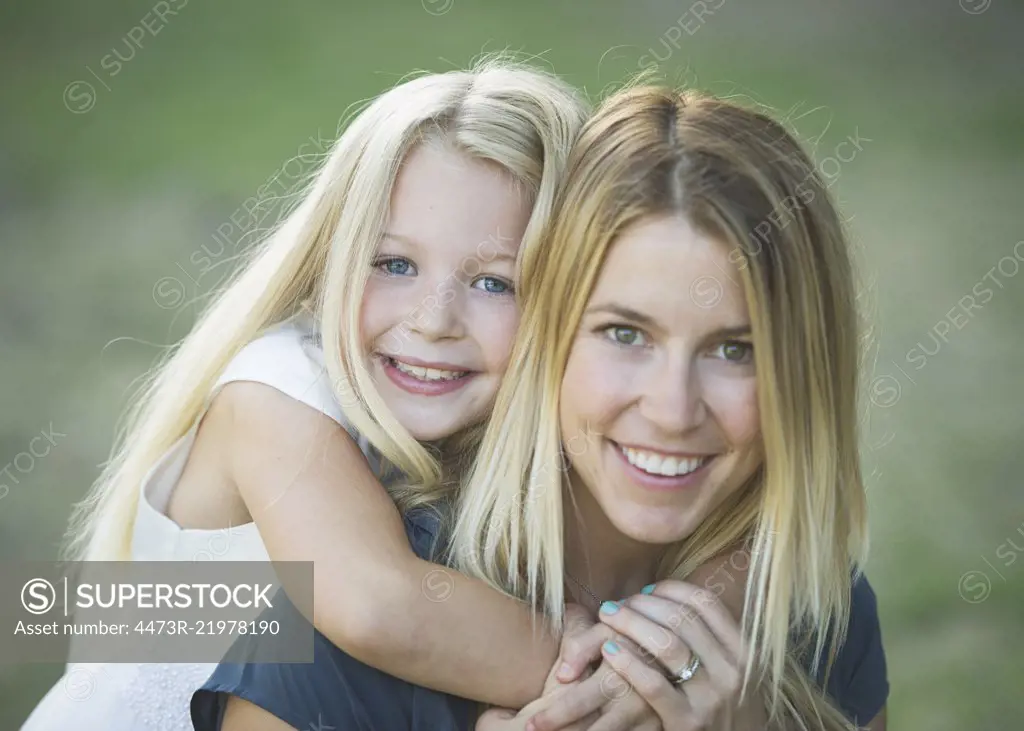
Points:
(425, 527)
(858, 680)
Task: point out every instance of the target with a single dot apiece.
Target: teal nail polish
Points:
(649, 589)
(611, 648)
(609, 608)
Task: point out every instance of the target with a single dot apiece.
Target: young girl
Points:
(363, 341)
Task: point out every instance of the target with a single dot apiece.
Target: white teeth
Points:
(664, 465)
(427, 374)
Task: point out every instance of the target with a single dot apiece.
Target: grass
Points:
(99, 207)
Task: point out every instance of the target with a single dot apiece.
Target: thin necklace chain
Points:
(583, 586)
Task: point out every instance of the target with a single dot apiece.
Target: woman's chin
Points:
(655, 526)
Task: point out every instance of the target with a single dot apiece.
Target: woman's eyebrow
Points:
(625, 313)
(628, 313)
(738, 331)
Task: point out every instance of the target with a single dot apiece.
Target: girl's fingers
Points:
(673, 648)
(570, 705)
(624, 709)
(581, 646)
(668, 703)
(499, 719)
(707, 606)
(627, 718)
(608, 723)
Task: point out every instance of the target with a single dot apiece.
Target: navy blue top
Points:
(336, 691)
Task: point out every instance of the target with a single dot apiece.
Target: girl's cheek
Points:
(496, 332)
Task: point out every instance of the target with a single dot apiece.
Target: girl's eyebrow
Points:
(499, 255)
(402, 239)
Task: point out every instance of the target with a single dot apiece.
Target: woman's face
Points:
(661, 373)
(439, 312)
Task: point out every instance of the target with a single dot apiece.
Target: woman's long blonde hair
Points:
(741, 178)
(319, 258)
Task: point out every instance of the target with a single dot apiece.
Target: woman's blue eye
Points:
(735, 351)
(625, 335)
(493, 285)
(395, 266)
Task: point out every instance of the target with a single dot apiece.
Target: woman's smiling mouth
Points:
(662, 470)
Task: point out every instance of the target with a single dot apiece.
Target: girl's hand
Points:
(605, 698)
(504, 719)
(579, 626)
(581, 646)
(668, 627)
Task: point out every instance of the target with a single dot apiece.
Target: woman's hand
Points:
(668, 627)
(675, 623)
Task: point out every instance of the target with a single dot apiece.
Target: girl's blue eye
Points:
(395, 266)
(735, 351)
(493, 285)
(625, 335)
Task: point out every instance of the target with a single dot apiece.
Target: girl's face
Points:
(439, 312)
(662, 374)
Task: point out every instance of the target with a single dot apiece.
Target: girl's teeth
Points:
(656, 464)
(427, 374)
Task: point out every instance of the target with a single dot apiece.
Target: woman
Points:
(692, 234)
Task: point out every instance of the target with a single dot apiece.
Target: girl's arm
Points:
(314, 498)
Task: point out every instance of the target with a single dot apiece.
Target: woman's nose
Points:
(672, 400)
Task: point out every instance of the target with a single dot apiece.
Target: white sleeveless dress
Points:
(145, 696)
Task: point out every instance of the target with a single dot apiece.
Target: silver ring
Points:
(687, 672)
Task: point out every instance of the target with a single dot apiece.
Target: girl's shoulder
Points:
(289, 358)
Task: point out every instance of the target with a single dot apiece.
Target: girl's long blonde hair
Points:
(319, 258)
(741, 178)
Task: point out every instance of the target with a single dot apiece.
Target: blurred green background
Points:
(114, 173)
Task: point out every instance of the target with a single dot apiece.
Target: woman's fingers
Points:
(706, 605)
(671, 706)
(673, 648)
